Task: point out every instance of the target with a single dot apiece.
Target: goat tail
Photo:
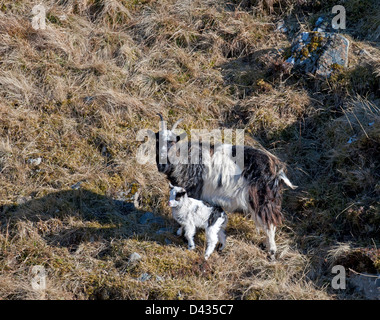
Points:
(281, 174)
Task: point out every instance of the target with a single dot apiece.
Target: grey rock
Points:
(144, 277)
(35, 162)
(319, 53)
(335, 53)
(134, 257)
(76, 186)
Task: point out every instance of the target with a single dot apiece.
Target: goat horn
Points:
(161, 117)
(163, 126)
(176, 124)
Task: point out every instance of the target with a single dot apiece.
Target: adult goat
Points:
(254, 187)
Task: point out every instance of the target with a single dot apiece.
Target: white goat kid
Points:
(191, 214)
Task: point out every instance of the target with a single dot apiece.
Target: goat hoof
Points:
(262, 246)
(272, 255)
(220, 247)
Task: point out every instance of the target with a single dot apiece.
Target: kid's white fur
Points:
(192, 214)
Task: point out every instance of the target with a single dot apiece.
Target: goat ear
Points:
(182, 136)
(170, 185)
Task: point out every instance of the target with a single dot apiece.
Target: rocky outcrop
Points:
(319, 53)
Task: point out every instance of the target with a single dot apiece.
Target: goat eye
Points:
(179, 195)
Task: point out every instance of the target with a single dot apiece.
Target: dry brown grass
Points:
(76, 94)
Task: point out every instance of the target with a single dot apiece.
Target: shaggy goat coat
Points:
(254, 189)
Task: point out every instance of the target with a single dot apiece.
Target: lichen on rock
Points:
(317, 53)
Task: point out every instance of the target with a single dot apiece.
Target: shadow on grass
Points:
(72, 217)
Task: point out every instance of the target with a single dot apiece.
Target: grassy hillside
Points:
(73, 97)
